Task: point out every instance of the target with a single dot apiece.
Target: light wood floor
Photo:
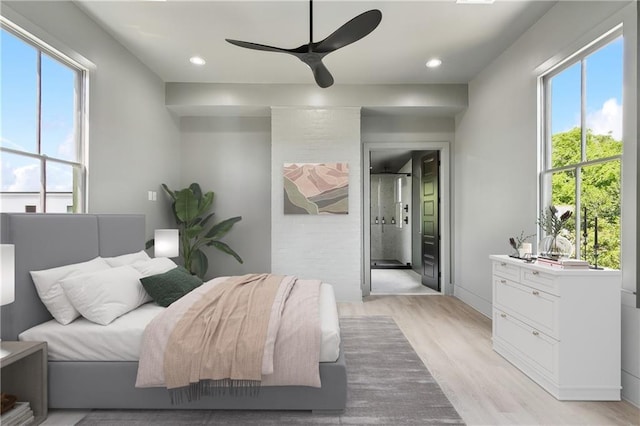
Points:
(454, 342)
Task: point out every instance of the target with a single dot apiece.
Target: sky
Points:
(604, 93)
(18, 78)
(18, 86)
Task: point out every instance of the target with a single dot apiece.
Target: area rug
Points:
(387, 385)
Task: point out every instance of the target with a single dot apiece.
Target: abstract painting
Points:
(316, 188)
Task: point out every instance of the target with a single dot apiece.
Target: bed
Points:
(48, 240)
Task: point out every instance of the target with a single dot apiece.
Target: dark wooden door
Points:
(430, 223)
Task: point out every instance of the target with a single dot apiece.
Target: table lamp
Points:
(7, 278)
(166, 243)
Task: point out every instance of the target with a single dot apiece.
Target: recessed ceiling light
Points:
(475, 1)
(197, 60)
(434, 63)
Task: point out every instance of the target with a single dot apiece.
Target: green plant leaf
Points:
(175, 214)
(199, 263)
(197, 192)
(225, 248)
(186, 205)
(150, 243)
(220, 229)
(168, 191)
(205, 202)
(204, 221)
(193, 231)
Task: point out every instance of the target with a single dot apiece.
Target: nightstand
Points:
(24, 374)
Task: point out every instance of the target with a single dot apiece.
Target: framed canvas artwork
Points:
(316, 188)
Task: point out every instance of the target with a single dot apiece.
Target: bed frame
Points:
(44, 241)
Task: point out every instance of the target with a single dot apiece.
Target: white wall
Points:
(495, 148)
(231, 156)
(325, 247)
(133, 139)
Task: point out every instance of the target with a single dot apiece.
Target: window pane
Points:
(565, 117)
(20, 183)
(600, 194)
(18, 80)
(58, 137)
(604, 101)
(60, 184)
(563, 197)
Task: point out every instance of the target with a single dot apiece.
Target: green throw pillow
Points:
(170, 286)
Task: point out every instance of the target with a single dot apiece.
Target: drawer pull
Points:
(535, 333)
(503, 264)
(535, 272)
(503, 281)
(503, 315)
(535, 292)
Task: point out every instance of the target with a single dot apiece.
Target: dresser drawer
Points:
(536, 349)
(506, 270)
(540, 280)
(534, 307)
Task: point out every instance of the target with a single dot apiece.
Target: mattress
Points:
(83, 340)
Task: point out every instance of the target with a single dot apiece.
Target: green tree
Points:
(600, 189)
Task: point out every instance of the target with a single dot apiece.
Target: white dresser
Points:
(560, 327)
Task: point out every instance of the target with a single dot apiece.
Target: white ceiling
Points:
(164, 34)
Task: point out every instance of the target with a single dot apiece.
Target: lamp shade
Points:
(8, 274)
(166, 243)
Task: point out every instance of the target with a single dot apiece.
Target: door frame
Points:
(444, 208)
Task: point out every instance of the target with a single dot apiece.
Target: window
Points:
(41, 136)
(582, 147)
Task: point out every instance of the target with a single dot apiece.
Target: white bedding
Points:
(83, 340)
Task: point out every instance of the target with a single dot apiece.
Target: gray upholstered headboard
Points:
(45, 241)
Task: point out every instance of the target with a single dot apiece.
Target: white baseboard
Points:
(479, 304)
(631, 388)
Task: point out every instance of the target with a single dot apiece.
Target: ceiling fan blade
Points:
(256, 46)
(350, 32)
(322, 75)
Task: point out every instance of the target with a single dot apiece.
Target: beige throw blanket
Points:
(232, 333)
(221, 338)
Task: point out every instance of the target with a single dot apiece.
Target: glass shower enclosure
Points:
(390, 220)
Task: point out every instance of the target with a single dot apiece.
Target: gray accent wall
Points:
(325, 247)
(231, 156)
(134, 141)
(496, 144)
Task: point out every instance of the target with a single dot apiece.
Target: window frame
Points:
(545, 171)
(79, 191)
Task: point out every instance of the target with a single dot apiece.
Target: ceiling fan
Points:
(312, 53)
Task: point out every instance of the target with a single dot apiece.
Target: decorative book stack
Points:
(563, 263)
(21, 414)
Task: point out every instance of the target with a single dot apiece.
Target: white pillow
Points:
(48, 286)
(127, 259)
(158, 265)
(105, 295)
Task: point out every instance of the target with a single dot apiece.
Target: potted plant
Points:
(553, 244)
(190, 209)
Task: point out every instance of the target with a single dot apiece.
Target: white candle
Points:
(525, 248)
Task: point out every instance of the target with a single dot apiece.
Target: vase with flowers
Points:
(554, 245)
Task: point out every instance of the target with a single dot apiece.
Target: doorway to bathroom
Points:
(406, 238)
